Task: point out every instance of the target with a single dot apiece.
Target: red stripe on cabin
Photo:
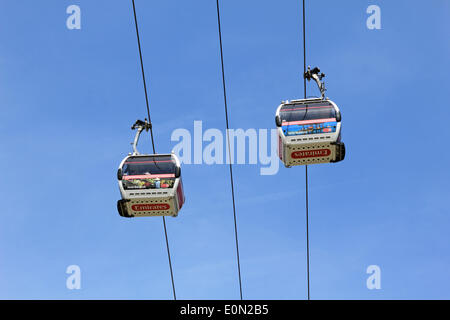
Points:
(304, 108)
(285, 123)
(147, 176)
(129, 162)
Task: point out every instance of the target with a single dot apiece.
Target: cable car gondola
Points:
(150, 184)
(309, 130)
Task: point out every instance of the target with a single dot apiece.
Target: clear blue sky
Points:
(68, 98)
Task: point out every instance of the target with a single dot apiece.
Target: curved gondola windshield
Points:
(308, 119)
(148, 172)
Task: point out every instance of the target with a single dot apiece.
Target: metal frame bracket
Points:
(140, 126)
(317, 76)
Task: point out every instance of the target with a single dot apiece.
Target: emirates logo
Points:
(311, 153)
(150, 207)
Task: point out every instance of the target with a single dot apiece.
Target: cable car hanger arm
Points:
(317, 76)
(140, 126)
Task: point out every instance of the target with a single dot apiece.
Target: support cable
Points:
(153, 142)
(306, 167)
(229, 152)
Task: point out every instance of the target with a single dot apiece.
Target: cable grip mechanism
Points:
(140, 126)
(317, 76)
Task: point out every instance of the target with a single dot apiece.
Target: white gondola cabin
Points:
(309, 132)
(150, 184)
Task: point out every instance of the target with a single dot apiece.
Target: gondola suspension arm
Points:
(317, 76)
(140, 126)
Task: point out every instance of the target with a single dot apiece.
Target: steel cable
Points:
(153, 142)
(229, 151)
(306, 167)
